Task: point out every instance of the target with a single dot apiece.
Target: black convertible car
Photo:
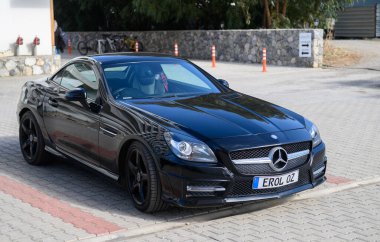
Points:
(168, 131)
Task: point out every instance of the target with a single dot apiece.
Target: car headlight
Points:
(314, 132)
(189, 148)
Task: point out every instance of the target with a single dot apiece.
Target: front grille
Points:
(243, 187)
(264, 151)
(263, 169)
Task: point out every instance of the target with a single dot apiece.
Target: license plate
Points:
(263, 182)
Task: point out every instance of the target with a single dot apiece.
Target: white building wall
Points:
(27, 18)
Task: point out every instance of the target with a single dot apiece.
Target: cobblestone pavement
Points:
(342, 216)
(345, 105)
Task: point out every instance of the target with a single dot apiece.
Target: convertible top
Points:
(117, 58)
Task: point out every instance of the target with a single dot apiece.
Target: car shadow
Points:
(371, 84)
(82, 187)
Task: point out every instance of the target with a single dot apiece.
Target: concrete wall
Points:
(231, 45)
(26, 18)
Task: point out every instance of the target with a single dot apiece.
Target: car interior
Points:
(145, 80)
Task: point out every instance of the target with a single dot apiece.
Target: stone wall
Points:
(28, 65)
(231, 45)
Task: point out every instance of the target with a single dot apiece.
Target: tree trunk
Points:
(267, 14)
(277, 7)
(264, 20)
(284, 7)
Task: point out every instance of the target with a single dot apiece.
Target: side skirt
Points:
(61, 153)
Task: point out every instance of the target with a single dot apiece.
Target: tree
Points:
(93, 15)
(304, 13)
(204, 14)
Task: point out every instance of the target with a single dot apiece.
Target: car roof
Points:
(117, 58)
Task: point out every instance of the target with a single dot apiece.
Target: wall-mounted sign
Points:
(305, 45)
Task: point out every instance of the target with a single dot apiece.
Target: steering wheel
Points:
(117, 92)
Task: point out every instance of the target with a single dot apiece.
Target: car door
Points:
(72, 125)
(113, 122)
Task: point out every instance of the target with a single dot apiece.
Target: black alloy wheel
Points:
(138, 177)
(142, 179)
(31, 141)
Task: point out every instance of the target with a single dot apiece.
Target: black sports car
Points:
(168, 131)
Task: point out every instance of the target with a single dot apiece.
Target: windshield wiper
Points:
(157, 97)
(169, 95)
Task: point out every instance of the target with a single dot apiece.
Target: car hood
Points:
(214, 116)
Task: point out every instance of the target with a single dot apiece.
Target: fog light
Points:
(205, 189)
(319, 171)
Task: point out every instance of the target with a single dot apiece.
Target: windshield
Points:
(156, 80)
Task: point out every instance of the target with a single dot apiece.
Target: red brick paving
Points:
(57, 208)
(337, 179)
(75, 216)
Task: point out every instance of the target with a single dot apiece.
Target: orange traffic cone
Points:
(69, 47)
(264, 59)
(137, 46)
(176, 49)
(213, 56)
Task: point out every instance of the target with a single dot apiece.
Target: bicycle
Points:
(118, 41)
(130, 44)
(109, 43)
(84, 46)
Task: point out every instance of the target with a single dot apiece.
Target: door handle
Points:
(53, 102)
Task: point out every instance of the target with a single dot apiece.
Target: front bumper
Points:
(202, 185)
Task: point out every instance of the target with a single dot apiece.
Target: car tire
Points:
(143, 181)
(82, 48)
(32, 143)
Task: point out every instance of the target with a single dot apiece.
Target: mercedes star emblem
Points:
(279, 158)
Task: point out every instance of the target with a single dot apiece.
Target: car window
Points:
(153, 79)
(81, 75)
(116, 72)
(181, 74)
(58, 77)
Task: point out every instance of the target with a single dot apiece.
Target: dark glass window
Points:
(58, 77)
(81, 75)
(153, 79)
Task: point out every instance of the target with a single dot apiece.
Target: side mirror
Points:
(78, 94)
(224, 82)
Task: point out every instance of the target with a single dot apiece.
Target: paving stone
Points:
(308, 231)
(27, 223)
